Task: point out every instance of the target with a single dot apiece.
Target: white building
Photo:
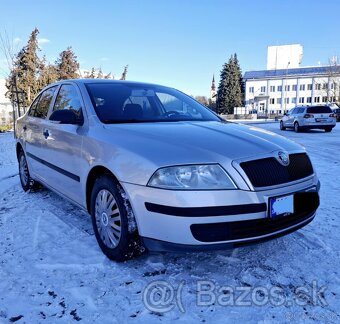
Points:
(276, 91)
(6, 110)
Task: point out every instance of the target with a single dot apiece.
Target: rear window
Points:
(319, 110)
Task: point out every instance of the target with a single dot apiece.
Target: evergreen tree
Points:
(47, 74)
(229, 94)
(100, 74)
(67, 65)
(109, 76)
(25, 70)
(221, 102)
(124, 74)
(239, 73)
(92, 74)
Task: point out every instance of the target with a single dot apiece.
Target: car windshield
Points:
(133, 103)
(319, 110)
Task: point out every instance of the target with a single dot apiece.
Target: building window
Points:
(287, 100)
(263, 89)
(278, 101)
(272, 101)
(309, 99)
(325, 86)
(279, 88)
(309, 86)
(251, 89)
(294, 100)
(272, 88)
(333, 85)
(294, 87)
(301, 100)
(287, 87)
(317, 86)
(316, 99)
(324, 99)
(302, 87)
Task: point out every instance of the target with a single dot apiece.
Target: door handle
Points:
(24, 128)
(46, 133)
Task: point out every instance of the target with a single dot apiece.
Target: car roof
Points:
(87, 81)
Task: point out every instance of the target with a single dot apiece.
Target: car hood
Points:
(173, 143)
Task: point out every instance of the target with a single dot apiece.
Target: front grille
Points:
(269, 172)
(305, 205)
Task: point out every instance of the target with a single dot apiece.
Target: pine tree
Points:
(25, 70)
(124, 74)
(239, 73)
(100, 74)
(67, 65)
(229, 94)
(47, 74)
(109, 76)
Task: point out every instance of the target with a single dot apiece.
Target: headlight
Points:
(192, 177)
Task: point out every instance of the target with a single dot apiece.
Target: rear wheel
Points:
(296, 127)
(328, 129)
(110, 221)
(26, 181)
(281, 126)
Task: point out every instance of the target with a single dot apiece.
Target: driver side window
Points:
(68, 99)
(171, 103)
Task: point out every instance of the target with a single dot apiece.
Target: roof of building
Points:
(305, 71)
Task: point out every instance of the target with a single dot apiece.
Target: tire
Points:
(281, 126)
(110, 221)
(296, 127)
(328, 129)
(27, 183)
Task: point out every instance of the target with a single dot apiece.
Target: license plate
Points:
(322, 120)
(281, 206)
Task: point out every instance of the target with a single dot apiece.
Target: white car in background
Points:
(156, 169)
(309, 117)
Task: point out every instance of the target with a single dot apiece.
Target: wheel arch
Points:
(93, 175)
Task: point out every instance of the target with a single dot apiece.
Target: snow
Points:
(51, 269)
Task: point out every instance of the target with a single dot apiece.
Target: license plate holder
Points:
(321, 120)
(281, 206)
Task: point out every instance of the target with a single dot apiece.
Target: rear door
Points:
(33, 130)
(291, 117)
(62, 147)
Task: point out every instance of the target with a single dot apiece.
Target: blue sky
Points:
(179, 43)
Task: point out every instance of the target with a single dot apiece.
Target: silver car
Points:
(157, 170)
(310, 117)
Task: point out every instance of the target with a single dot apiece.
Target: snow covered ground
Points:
(51, 269)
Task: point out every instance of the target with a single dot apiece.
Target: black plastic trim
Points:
(163, 246)
(54, 167)
(207, 211)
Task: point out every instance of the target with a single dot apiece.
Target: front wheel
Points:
(328, 129)
(296, 127)
(281, 126)
(110, 220)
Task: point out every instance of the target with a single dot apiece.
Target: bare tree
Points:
(7, 49)
(330, 84)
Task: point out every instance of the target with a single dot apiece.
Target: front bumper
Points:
(205, 220)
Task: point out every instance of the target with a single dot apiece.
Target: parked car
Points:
(309, 117)
(336, 112)
(157, 170)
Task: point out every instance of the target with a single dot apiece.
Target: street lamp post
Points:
(285, 96)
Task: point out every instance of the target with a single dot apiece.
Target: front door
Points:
(62, 147)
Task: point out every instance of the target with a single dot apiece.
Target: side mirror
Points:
(67, 116)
